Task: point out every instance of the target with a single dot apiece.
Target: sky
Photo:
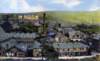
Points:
(19, 6)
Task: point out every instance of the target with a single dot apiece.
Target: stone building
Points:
(71, 49)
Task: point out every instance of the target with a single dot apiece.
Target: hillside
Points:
(76, 17)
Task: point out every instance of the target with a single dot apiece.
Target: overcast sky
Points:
(8, 6)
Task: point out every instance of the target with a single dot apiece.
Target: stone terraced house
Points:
(71, 49)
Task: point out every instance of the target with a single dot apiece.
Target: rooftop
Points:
(70, 45)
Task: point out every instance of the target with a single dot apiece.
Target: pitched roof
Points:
(22, 46)
(25, 35)
(35, 45)
(1, 30)
(5, 36)
(70, 45)
(25, 46)
(8, 44)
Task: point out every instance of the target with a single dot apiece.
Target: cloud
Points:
(20, 6)
(25, 7)
(38, 8)
(94, 8)
(67, 3)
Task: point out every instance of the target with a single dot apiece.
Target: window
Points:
(71, 49)
(78, 36)
(63, 50)
(77, 49)
(14, 50)
(74, 49)
(83, 49)
(9, 54)
(7, 45)
(20, 54)
(68, 49)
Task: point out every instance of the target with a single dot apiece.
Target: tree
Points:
(28, 28)
(88, 29)
(50, 53)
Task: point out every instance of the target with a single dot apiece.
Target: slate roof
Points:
(70, 45)
(17, 35)
(7, 41)
(25, 47)
(4, 37)
(68, 30)
(22, 46)
(8, 44)
(25, 35)
(97, 37)
(35, 45)
(1, 30)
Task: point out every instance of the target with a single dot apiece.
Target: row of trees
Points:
(89, 29)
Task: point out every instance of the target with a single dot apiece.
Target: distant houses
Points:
(66, 41)
(18, 44)
(12, 48)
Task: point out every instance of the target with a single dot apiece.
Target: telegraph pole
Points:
(44, 19)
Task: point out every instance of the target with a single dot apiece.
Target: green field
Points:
(75, 17)
(72, 17)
